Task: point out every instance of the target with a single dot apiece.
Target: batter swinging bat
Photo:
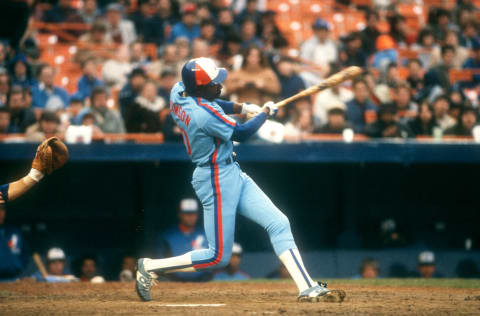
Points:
(344, 75)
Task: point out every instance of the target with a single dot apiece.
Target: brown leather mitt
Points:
(51, 155)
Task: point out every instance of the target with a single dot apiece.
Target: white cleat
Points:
(320, 293)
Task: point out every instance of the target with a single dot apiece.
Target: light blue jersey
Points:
(205, 127)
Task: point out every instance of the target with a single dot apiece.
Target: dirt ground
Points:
(251, 298)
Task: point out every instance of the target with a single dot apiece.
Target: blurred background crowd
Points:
(91, 68)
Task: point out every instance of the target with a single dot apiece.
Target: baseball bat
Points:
(341, 76)
(40, 265)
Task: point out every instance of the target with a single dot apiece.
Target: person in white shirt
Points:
(320, 49)
(121, 31)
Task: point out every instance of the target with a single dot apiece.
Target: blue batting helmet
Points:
(201, 72)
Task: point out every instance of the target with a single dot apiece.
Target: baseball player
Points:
(51, 155)
(221, 186)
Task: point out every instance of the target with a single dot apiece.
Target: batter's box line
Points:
(191, 305)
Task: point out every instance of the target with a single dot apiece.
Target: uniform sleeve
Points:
(219, 126)
(227, 106)
(4, 191)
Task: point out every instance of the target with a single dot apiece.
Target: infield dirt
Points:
(251, 298)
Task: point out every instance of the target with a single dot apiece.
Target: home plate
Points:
(192, 305)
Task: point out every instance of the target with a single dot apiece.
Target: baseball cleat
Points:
(144, 281)
(320, 293)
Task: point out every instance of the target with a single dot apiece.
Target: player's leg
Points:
(219, 191)
(255, 205)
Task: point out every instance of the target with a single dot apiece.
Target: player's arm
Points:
(244, 131)
(51, 155)
(230, 107)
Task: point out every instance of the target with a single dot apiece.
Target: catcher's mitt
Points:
(51, 155)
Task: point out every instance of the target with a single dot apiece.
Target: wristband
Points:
(36, 175)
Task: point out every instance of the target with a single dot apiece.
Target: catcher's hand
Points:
(51, 155)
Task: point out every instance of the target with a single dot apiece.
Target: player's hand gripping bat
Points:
(344, 75)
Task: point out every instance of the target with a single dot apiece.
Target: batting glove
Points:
(250, 110)
(271, 107)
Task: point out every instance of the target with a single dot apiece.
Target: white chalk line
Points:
(192, 305)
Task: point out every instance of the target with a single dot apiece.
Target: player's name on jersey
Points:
(180, 113)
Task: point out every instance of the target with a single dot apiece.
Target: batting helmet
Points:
(201, 72)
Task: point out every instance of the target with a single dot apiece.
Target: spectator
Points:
(336, 121)
(353, 54)
(97, 35)
(426, 266)
(207, 33)
(88, 80)
(183, 238)
(320, 49)
(21, 116)
(62, 12)
(136, 80)
(183, 49)
(167, 10)
(121, 31)
(167, 80)
(55, 268)
(438, 75)
(4, 120)
(4, 86)
(108, 120)
(46, 127)
(360, 110)
(457, 102)
(3, 55)
(188, 27)
(335, 95)
(473, 63)
(269, 32)
(407, 109)
(465, 124)
(168, 59)
(143, 116)
(391, 76)
(200, 48)
(441, 106)
(441, 23)
(21, 72)
(424, 123)
(280, 273)
(415, 76)
(469, 36)
(249, 12)
(387, 124)
(88, 119)
(461, 53)
(88, 270)
(386, 53)
(138, 57)
(46, 95)
(230, 53)
(74, 109)
(129, 265)
(116, 70)
(249, 34)
(89, 12)
(301, 123)
(142, 20)
(400, 31)
(13, 249)
(225, 26)
(288, 77)
(369, 269)
(426, 47)
(370, 33)
(232, 271)
(255, 82)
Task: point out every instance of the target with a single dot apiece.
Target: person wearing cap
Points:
(336, 120)
(232, 271)
(188, 26)
(55, 268)
(426, 267)
(46, 95)
(184, 237)
(122, 31)
(386, 52)
(387, 124)
(466, 123)
(320, 49)
(48, 126)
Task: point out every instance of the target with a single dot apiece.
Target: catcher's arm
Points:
(51, 155)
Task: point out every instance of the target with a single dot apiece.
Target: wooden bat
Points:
(344, 75)
(40, 265)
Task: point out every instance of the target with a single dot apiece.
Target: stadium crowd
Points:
(124, 86)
